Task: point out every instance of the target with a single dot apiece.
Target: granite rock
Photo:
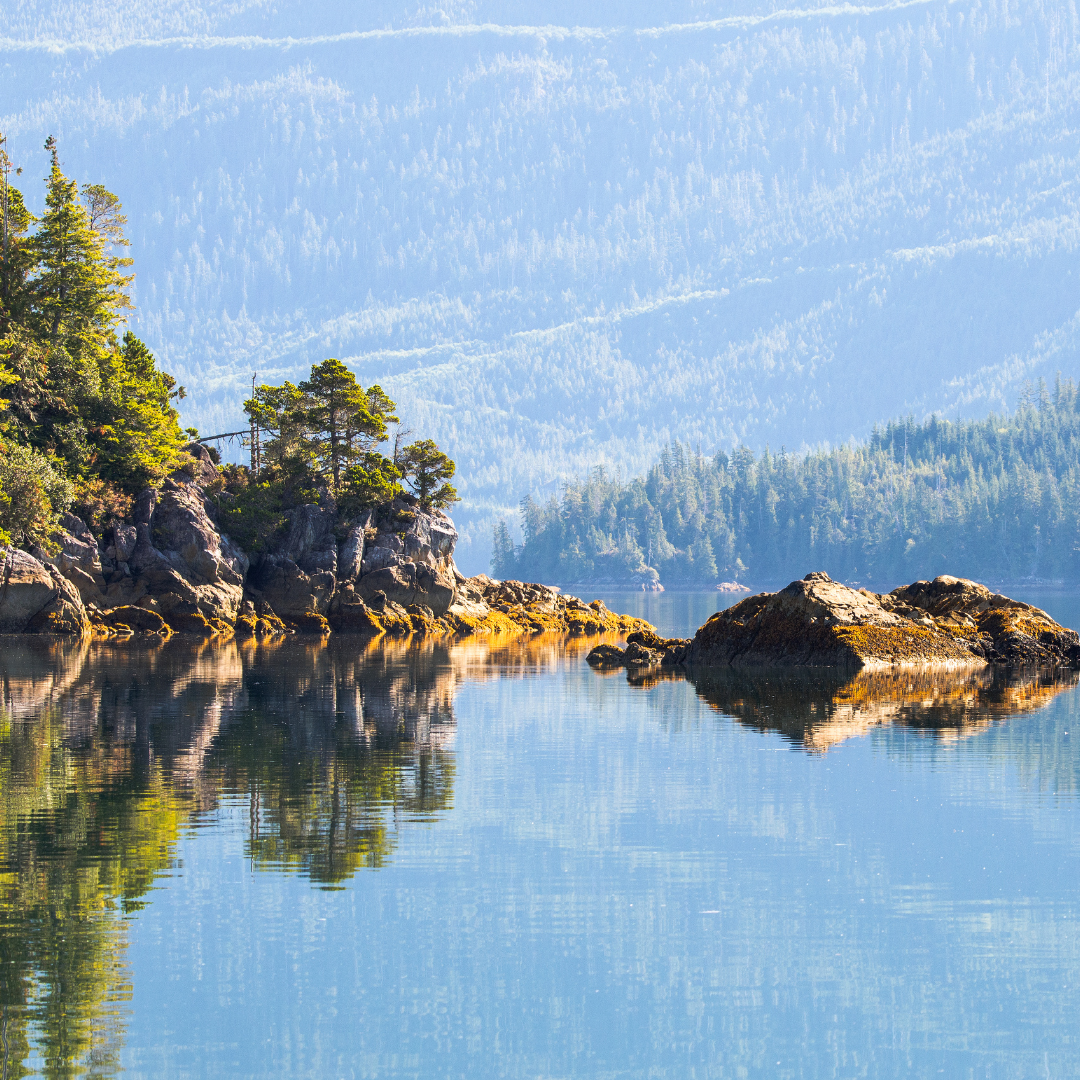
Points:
(817, 622)
(180, 558)
(35, 598)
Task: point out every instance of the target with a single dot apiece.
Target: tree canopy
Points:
(319, 441)
(80, 402)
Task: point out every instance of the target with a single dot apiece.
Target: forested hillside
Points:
(558, 245)
(992, 500)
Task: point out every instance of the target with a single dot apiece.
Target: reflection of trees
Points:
(332, 748)
(81, 838)
(819, 708)
(105, 755)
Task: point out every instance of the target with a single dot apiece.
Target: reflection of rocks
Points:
(818, 710)
(195, 710)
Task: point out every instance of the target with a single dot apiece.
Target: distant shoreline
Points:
(1001, 586)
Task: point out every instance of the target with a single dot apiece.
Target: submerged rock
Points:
(818, 622)
(644, 648)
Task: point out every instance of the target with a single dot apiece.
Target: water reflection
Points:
(333, 749)
(817, 709)
(107, 754)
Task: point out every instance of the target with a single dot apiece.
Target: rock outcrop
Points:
(818, 622)
(181, 560)
(389, 570)
(400, 553)
(35, 598)
(298, 576)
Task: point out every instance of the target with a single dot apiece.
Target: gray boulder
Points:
(430, 539)
(410, 583)
(299, 575)
(36, 598)
(125, 537)
(78, 559)
(408, 534)
(179, 557)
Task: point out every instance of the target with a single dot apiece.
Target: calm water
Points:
(326, 860)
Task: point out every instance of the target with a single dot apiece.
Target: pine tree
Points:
(277, 411)
(343, 421)
(79, 295)
(138, 438)
(503, 558)
(426, 470)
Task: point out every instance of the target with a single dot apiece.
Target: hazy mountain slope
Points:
(557, 246)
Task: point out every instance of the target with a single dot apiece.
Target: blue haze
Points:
(558, 246)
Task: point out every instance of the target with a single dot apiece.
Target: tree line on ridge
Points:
(993, 499)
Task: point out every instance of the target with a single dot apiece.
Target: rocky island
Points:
(817, 622)
(172, 570)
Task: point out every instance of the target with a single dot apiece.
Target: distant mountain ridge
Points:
(559, 246)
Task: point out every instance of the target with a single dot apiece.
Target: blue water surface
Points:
(466, 861)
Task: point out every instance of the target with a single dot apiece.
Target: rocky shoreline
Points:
(172, 571)
(817, 622)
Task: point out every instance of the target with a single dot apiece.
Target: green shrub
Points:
(33, 494)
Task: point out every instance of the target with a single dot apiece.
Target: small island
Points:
(817, 622)
(170, 569)
(117, 523)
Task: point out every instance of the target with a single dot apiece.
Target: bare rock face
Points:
(36, 598)
(298, 577)
(179, 558)
(399, 551)
(351, 552)
(408, 583)
(78, 559)
(818, 622)
(407, 534)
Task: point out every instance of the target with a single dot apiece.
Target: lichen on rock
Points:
(817, 622)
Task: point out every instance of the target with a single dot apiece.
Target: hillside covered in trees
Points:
(563, 234)
(995, 499)
(87, 418)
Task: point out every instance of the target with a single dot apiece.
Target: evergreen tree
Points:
(77, 404)
(138, 438)
(426, 470)
(372, 481)
(277, 411)
(15, 249)
(503, 558)
(79, 295)
(988, 499)
(343, 421)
